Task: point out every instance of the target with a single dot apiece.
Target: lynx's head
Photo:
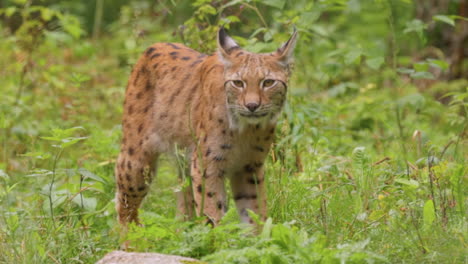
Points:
(255, 84)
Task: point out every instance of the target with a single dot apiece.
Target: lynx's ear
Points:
(225, 46)
(286, 51)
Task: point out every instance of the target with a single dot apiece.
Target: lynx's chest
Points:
(247, 149)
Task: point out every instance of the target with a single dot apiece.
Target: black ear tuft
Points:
(225, 43)
(285, 52)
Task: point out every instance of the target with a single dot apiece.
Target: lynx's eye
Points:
(268, 83)
(238, 84)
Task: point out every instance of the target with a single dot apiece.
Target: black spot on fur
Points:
(148, 86)
(239, 54)
(258, 164)
(219, 158)
(130, 110)
(141, 188)
(221, 173)
(130, 189)
(139, 94)
(149, 51)
(127, 176)
(185, 58)
(220, 121)
(155, 65)
(272, 130)
(155, 56)
(199, 188)
(173, 45)
(173, 96)
(208, 152)
(205, 139)
(241, 196)
(174, 68)
(162, 116)
(174, 55)
(259, 148)
(248, 168)
(129, 165)
(267, 138)
(140, 128)
(226, 146)
(223, 131)
(219, 204)
(254, 180)
(211, 194)
(257, 126)
(130, 151)
(195, 63)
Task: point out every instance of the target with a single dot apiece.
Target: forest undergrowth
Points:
(369, 165)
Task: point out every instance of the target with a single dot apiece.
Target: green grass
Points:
(372, 172)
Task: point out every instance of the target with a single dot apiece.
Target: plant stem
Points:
(51, 203)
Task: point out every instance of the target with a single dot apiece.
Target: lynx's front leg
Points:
(249, 191)
(208, 185)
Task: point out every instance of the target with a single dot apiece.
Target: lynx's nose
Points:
(252, 106)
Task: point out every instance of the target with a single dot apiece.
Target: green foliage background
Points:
(369, 166)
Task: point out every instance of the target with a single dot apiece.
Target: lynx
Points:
(222, 109)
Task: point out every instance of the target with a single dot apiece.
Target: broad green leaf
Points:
(428, 214)
(88, 203)
(421, 66)
(443, 65)
(405, 70)
(411, 183)
(275, 3)
(37, 155)
(354, 56)
(422, 75)
(375, 63)
(10, 11)
(444, 19)
(266, 232)
(87, 174)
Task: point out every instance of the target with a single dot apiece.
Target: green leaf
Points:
(87, 174)
(422, 75)
(375, 63)
(411, 183)
(428, 214)
(405, 70)
(37, 155)
(4, 175)
(443, 65)
(275, 3)
(353, 56)
(88, 203)
(266, 232)
(444, 19)
(421, 66)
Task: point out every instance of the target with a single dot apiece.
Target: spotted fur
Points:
(221, 108)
